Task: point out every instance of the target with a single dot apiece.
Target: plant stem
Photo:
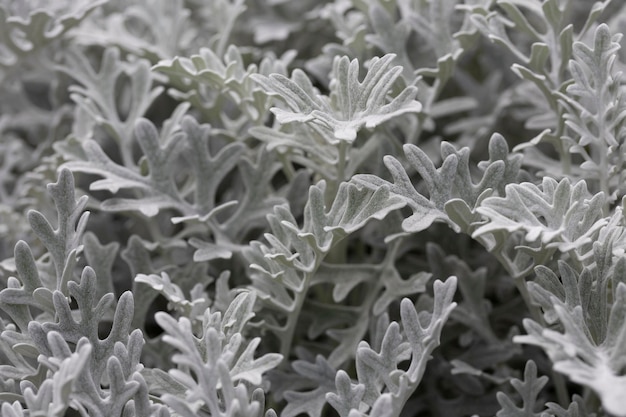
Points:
(292, 320)
(288, 168)
(333, 185)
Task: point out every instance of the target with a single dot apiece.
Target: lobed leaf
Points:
(557, 215)
(352, 104)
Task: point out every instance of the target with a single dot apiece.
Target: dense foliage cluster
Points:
(322, 208)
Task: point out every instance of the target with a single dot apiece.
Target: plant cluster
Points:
(312, 208)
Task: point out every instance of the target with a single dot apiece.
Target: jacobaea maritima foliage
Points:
(312, 208)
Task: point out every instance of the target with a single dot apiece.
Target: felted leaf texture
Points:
(219, 360)
(380, 380)
(53, 396)
(451, 187)
(228, 75)
(33, 288)
(588, 347)
(596, 111)
(352, 104)
(557, 214)
(283, 197)
(529, 389)
(100, 95)
(181, 170)
(284, 268)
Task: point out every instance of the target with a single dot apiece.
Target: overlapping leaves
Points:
(557, 214)
(596, 111)
(590, 311)
(225, 74)
(382, 388)
(283, 269)
(352, 104)
(182, 150)
(452, 191)
(24, 33)
(166, 29)
(37, 280)
(217, 366)
(542, 63)
(301, 249)
(114, 96)
(56, 348)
